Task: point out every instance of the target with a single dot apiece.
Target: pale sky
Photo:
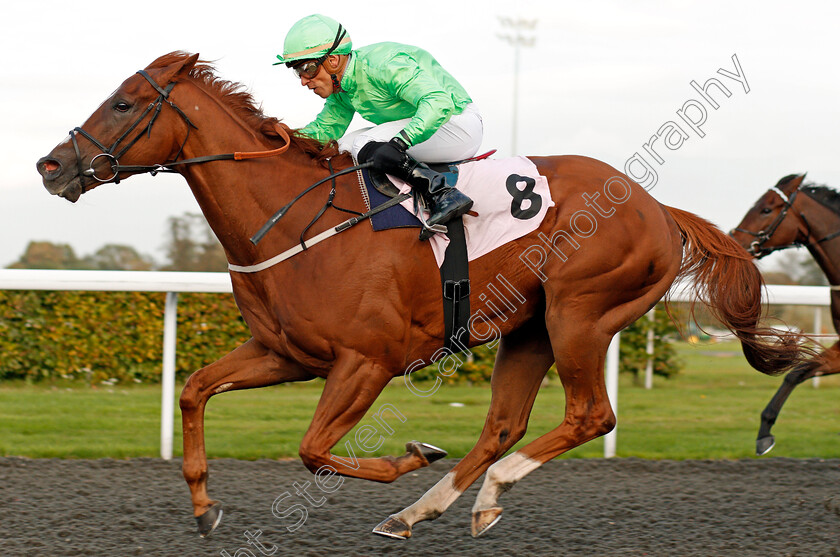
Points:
(601, 79)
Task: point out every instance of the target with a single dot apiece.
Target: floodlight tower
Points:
(518, 33)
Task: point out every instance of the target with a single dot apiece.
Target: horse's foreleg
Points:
(827, 364)
(248, 366)
(522, 361)
(350, 389)
(580, 358)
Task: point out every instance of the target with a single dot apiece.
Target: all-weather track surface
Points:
(762, 507)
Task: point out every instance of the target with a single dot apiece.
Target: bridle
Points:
(763, 236)
(154, 108)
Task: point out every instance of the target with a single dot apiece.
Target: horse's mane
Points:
(241, 102)
(825, 195)
(829, 197)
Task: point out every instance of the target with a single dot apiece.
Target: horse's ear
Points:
(178, 69)
(797, 181)
(792, 180)
(191, 62)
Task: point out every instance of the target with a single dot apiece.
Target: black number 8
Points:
(521, 195)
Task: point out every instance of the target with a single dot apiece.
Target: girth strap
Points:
(455, 281)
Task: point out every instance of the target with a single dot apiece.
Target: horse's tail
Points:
(727, 280)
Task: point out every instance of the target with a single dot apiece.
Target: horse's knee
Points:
(599, 421)
(313, 459)
(602, 418)
(606, 423)
(190, 396)
(194, 394)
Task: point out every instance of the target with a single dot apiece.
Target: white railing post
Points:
(612, 392)
(815, 382)
(167, 410)
(650, 349)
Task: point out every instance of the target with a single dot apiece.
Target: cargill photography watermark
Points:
(691, 117)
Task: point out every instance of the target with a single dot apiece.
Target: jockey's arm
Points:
(331, 122)
(427, 93)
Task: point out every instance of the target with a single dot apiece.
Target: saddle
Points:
(449, 170)
(384, 186)
(454, 271)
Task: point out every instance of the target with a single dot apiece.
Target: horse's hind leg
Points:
(522, 361)
(827, 364)
(580, 351)
(249, 366)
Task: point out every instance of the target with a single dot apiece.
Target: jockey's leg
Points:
(443, 201)
(457, 139)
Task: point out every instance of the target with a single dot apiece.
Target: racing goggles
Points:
(309, 68)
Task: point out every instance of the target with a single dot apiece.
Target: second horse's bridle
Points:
(762, 236)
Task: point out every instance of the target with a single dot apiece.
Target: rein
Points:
(762, 236)
(155, 107)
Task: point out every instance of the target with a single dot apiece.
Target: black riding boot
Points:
(444, 202)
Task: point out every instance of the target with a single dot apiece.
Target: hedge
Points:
(110, 336)
(118, 337)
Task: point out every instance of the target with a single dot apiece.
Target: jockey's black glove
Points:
(389, 157)
(398, 142)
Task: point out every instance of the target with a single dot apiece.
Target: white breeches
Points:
(459, 138)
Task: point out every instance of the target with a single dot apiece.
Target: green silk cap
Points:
(313, 37)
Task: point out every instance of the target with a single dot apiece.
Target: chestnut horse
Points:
(359, 309)
(778, 221)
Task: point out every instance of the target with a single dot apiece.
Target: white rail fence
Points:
(174, 282)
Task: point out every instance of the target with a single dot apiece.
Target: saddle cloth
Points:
(510, 198)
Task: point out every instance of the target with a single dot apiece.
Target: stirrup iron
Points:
(428, 230)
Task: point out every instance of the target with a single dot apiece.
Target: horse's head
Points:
(121, 132)
(767, 227)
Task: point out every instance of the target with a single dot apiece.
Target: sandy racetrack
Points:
(763, 507)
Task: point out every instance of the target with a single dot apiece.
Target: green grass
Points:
(710, 410)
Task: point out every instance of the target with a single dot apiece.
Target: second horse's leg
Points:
(828, 363)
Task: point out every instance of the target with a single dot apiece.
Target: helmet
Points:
(315, 36)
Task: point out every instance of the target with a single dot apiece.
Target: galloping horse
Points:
(358, 309)
(778, 221)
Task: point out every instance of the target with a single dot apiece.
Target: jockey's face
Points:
(321, 83)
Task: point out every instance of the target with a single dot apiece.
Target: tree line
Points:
(189, 245)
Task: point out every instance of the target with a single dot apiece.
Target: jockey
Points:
(421, 112)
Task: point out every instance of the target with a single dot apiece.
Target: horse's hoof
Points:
(393, 527)
(764, 444)
(484, 520)
(429, 452)
(209, 520)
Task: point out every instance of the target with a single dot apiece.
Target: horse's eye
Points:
(766, 211)
(122, 106)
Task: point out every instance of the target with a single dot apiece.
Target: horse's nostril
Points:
(48, 166)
